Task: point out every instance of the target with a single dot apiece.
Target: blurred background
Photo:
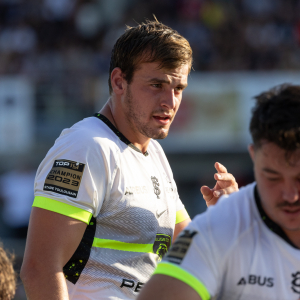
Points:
(54, 60)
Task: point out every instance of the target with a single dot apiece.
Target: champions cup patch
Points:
(161, 245)
(180, 247)
(64, 178)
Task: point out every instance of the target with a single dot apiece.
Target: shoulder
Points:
(90, 132)
(230, 219)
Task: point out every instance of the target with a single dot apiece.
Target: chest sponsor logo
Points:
(257, 280)
(127, 283)
(155, 186)
(64, 178)
(180, 247)
(161, 244)
(296, 283)
(136, 190)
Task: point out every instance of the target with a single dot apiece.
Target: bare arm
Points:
(162, 287)
(225, 185)
(51, 241)
(179, 227)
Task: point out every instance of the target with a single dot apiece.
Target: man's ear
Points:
(117, 81)
(251, 150)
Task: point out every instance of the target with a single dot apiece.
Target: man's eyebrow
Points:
(159, 80)
(270, 171)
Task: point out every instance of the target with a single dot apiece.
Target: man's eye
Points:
(157, 85)
(272, 178)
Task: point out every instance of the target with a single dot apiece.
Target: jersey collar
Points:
(269, 223)
(118, 133)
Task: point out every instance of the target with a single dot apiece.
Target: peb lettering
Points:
(131, 284)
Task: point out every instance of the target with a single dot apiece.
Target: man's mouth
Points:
(292, 210)
(162, 119)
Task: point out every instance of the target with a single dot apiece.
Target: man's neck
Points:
(119, 120)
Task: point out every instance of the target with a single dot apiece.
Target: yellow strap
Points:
(182, 275)
(62, 208)
(122, 246)
(181, 216)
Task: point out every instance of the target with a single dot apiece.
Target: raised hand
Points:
(225, 185)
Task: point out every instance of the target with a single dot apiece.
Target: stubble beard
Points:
(135, 115)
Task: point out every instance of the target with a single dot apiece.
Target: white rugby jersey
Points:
(128, 199)
(234, 251)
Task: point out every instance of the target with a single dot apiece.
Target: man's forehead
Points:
(276, 156)
(154, 70)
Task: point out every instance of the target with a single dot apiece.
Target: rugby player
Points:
(248, 245)
(106, 206)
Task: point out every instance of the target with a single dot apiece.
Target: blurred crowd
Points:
(65, 45)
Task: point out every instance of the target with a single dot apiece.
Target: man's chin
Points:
(159, 136)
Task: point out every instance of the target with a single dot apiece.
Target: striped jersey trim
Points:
(122, 246)
(62, 208)
(184, 276)
(181, 216)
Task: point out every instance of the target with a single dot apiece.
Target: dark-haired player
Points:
(248, 246)
(106, 205)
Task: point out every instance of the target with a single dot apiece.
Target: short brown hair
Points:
(151, 41)
(7, 276)
(276, 118)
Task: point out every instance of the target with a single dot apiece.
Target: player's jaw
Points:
(289, 215)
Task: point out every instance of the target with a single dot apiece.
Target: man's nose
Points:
(169, 99)
(290, 192)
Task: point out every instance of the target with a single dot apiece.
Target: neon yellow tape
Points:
(181, 216)
(182, 275)
(62, 208)
(122, 246)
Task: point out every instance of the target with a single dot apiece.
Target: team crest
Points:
(155, 186)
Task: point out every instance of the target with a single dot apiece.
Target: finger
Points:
(224, 177)
(213, 201)
(226, 191)
(218, 193)
(220, 168)
(207, 193)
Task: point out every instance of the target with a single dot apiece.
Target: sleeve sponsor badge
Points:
(64, 178)
(180, 247)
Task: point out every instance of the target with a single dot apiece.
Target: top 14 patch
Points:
(64, 178)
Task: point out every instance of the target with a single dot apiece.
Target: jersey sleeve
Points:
(181, 212)
(73, 178)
